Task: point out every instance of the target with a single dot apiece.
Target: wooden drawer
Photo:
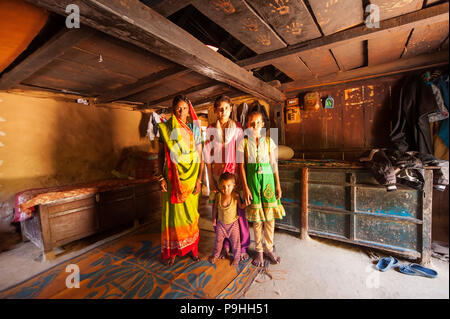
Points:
(71, 204)
(72, 225)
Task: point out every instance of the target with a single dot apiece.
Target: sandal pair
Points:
(412, 269)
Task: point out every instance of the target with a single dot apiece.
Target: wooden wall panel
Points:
(377, 114)
(353, 117)
(440, 229)
(360, 120)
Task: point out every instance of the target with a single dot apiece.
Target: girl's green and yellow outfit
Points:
(260, 180)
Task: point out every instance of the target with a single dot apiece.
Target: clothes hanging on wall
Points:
(442, 113)
(243, 117)
(411, 128)
(152, 128)
(391, 167)
(442, 82)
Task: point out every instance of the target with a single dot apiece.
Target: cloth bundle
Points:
(391, 167)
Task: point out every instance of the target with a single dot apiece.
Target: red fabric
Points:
(167, 253)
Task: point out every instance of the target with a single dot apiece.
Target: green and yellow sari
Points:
(179, 228)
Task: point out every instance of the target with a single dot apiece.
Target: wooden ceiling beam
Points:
(188, 91)
(142, 84)
(55, 47)
(408, 21)
(134, 22)
(395, 67)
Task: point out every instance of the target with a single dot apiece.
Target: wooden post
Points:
(427, 206)
(352, 205)
(304, 205)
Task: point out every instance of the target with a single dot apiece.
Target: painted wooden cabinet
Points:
(349, 205)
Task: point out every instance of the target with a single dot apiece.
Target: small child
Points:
(225, 218)
(261, 186)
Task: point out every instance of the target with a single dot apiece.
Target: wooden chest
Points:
(65, 220)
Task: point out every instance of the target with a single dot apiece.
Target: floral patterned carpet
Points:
(129, 267)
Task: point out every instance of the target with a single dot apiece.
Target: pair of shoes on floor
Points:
(413, 269)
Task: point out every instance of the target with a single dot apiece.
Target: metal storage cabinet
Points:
(349, 205)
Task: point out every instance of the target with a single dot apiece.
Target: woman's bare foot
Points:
(196, 258)
(235, 261)
(212, 259)
(274, 258)
(224, 254)
(244, 256)
(169, 261)
(259, 260)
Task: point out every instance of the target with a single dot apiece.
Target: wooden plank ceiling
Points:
(308, 41)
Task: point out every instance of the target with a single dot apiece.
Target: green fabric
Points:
(179, 224)
(261, 182)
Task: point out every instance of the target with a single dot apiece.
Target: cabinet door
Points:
(148, 199)
(116, 208)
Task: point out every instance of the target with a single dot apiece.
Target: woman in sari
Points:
(181, 164)
(220, 156)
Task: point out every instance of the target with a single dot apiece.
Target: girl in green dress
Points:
(261, 186)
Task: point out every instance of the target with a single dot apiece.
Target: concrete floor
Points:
(322, 269)
(315, 268)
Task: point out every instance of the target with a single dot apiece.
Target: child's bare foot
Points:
(259, 260)
(212, 259)
(244, 256)
(224, 254)
(235, 261)
(274, 258)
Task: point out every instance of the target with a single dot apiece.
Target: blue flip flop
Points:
(386, 263)
(424, 271)
(405, 269)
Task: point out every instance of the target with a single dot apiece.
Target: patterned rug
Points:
(129, 267)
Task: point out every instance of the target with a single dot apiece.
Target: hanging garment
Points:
(442, 114)
(243, 117)
(411, 129)
(442, 83)
(152, 128)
